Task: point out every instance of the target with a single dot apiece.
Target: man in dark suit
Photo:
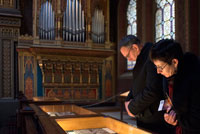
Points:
(144, 97)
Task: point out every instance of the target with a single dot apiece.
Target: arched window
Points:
(165, 19)
(132, 26)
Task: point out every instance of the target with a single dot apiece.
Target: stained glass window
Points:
(132, 26)
(165, 20)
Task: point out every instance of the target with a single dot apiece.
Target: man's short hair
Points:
(129, 40)
(166, 50)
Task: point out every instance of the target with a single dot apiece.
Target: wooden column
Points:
(107, 23)
(88, 26)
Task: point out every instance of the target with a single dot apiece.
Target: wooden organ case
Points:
(69, 54)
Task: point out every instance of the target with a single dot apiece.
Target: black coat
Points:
(186, 94)
(147, 90)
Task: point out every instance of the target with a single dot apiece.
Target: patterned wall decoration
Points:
(108, 78)
(48, 75)
(6, 68)
(9, 32)
(76, 73)
(7, 21)
(67, 94)
(58, 73)
(92, 93)
(67, 73)
(72, 93)
(10, 22)
(94, 77)
(28, 76)
(50, 92)
(7, 3)
(85, 73)
(9, 27)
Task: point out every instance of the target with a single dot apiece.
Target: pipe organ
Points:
(98, 26)
(69, 54)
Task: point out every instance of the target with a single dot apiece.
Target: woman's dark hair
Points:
(129, 40)
(166, 50)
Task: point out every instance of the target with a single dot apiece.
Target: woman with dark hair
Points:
(180, 84)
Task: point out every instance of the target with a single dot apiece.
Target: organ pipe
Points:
(73, 22)
(46, 22)
(98, 27)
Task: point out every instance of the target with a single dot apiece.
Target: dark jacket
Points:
(147, 89)
(186, 94)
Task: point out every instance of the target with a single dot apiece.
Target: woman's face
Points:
(166, 69)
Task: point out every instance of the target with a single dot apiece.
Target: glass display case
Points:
(66, 110)
(113, 126)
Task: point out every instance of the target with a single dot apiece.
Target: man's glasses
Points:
(161, 68)
(127, 56)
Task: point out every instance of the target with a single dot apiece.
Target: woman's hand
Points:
(126, 106)
(170, 117)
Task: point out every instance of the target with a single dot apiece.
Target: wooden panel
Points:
(71, 51)
(37, 110)
(45, 99)
(30, 125)
(49, 127)
(70, 93)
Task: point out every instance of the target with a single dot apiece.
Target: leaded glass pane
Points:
(129, 29)
(171, 34)
(158, 1)
(173, 25)
(170, 1)
(132, 26)
(167, 37)
(159, 16)
(167, 12)
(158, 31)
(173, 10)
(165, 19)
(162, 3)
(130, 65)
(167, 27)
(158, 39)
(131, 12)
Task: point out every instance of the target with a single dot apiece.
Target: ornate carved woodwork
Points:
(7, 3)
(6, 68)
(72, 78)
(10, 22)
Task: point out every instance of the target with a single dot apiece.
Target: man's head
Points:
(166, 55)
(130, 47)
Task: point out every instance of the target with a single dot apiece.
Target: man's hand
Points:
(126, 106)
(170, 117)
